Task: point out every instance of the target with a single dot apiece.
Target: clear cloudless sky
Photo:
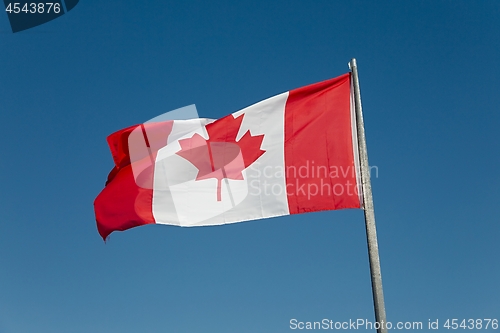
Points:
(430, 78)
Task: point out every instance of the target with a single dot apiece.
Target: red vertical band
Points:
(127, 199)
(319, 159)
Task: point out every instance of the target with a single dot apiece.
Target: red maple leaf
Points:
(221, 156)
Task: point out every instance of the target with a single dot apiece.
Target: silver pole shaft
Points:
(371, 231)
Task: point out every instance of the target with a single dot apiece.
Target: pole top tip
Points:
(352, 63)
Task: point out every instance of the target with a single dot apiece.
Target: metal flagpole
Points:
(371, 232)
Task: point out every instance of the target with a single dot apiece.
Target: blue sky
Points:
(429, 75)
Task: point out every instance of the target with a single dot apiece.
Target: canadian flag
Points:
(295, 152)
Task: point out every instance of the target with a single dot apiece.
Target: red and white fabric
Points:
(293, 153)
